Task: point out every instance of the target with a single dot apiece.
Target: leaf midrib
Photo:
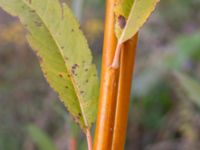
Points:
(62, 55)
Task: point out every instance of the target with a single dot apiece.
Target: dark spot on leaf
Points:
(86, 70)
(61, 75)
(72, 30)
(66, 87)
(94, 75)
(74, 68)
(30, 1)
(81, 92)
(62, 47)
(86, 81)
(79, 114)
(66, 58)
(68, 75)
(76, 65)
(33, 11)
(122, 21)
(37, 23)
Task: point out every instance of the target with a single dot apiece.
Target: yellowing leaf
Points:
(140, 11)
(64, 55)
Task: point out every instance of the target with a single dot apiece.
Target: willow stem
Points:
(127, 61)
(109, 83)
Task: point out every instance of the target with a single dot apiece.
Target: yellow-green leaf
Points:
(139, 12)
(65, 58)
(122, 10)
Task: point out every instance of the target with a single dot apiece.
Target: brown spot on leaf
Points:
(61, 75)
(121, 21)
(33, 11)
(81, 92)
(76, 65)
(37, 23)
(74, 68)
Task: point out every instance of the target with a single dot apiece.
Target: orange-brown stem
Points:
(108, 89)
(127, 61)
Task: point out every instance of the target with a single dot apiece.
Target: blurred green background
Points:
(165, 103)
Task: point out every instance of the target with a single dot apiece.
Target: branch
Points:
(108, 89)
(128, 53)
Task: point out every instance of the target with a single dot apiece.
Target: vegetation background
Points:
(165, 110)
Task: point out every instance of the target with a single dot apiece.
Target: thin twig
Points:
(89, 139)
(115, 63)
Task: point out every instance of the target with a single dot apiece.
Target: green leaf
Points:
(40, 138)
(139, 13)
(190, 86)
(65, 58)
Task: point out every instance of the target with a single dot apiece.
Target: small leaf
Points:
(65, 58)
(190, 87)
(125, 28)
(139, 13)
